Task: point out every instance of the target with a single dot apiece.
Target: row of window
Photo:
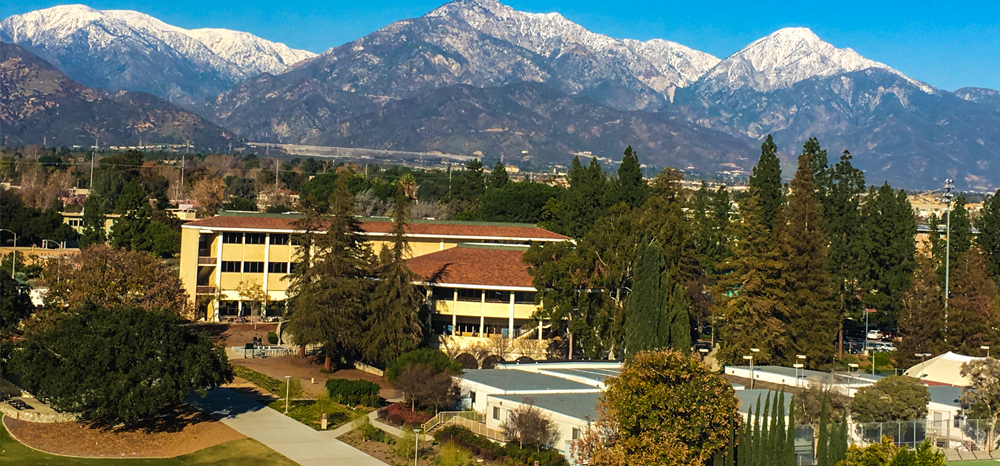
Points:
(492, 296)
(247, 308)
(254, 267)
(230, 237)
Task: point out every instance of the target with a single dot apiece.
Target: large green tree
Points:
(749, 306)
(894, 398)
(498, 177)
(521, 202)
(393, 325)
(921, 319)
(812, 319)
(638, 414)
(330, 284)
(765, 182)
(93, 222)
(643, 308)
(132, 230)
(583, 202)
(15, 305)
(974, 307)
(889, 231)
(118, 365)
(469, 184)
(630, 188)
(988, 224)
(982, 398)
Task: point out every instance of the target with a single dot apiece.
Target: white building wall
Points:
(565, 424)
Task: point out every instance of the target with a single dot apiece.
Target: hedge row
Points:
(270, 384)
(353, 392)
(488, 450)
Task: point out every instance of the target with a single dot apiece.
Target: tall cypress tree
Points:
(718, 249)
(890, 250)
(823, 448)
(630, 187)
(755, 439)
(765, 182)
(680, 320)
(789, 450)
(498, 177)
(393, 324)
(961, 227)
(988, 224)
(731, 445)
(329, 281)
(842, 224)
(921, 318)
(812, 320)
(93, 222)
(973, 307)
(766, 432)
(642, 310)
(749, 301)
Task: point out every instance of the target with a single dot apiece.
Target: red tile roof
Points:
(473, 266)
(424, 228)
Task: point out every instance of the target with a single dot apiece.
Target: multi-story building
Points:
(476, 282)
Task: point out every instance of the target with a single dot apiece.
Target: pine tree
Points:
(961, 227)
(813, 320)
(330, 282)
(765, 183)
(499, 178)
(132, 230)
(974, 306)
(921, 319)
(583, 202)
(988, 224)
(842, 224)
(817, 160)
(470, 184)
(749, 305)
(393, 324)
(630, 187)
(642, 310)
(890, 248)
(720, 222)
(93, 222)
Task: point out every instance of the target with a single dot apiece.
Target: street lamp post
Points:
(288, 379)
(13, 259)
(922, 357)
(750, 357)
(801, 365)
(850, 377)
(947, 197)
(416, 445)
(987, 348)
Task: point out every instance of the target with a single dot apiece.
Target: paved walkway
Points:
(281, 433)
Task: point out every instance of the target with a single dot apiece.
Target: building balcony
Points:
(206, 261)
(204, 290)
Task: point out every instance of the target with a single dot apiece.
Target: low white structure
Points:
(843, 382)
(571, 413)
(478, 385)
(944, 369)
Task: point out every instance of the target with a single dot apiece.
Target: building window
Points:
(469, 295)
(277, 267)
(230, 266)
(232, 238)
(253, 267)
(497, 296)
(229, 308)
(74, 223)
(443, 294)
(576, 434)
(524, 297)
(279, 238)
(496, 413)
(254, 238)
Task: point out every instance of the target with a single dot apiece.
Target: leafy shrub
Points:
(488, 450)
(272, 338)
(453, 455)
(368, 432)
(431, 357)
(404, 447)
(398, 414)
(270, 384)
(353, 392)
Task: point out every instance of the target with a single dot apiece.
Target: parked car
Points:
(874, 335)
(881, 347)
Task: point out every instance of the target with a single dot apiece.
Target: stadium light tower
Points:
(947, 197)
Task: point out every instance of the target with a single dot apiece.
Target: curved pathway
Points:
(281, 433)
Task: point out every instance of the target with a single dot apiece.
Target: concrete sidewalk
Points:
(281, 433)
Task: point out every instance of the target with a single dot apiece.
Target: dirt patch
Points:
(186, 431)
(308, 368)
(386, 453)
(234, 334)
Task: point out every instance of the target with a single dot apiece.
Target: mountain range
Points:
(477, 75)
(38, 102)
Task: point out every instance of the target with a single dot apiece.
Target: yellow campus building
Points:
(477, 285)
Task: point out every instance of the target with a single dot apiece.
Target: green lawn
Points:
(235, 453)
(310, 412)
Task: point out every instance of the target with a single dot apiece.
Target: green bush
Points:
(404, 447)
(353, 392)
(432, 357)
(270, 384)
(453, 455)
(272, 338)
(488, 450)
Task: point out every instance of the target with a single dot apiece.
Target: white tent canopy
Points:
(943, 369)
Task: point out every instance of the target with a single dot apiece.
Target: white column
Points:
(510, 324)
(540, 327)
(267, 258)
(218, 273)
(454, 314)
(482, 313)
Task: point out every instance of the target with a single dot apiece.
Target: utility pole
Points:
(947, 197)
(92, 157)
(182, 178)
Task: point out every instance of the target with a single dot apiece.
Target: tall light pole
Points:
(922, 357)
(288, 378)
(947, 197)
(750, 357)
(416, 445)
(801, 365)
(13, 259)
(849, 377)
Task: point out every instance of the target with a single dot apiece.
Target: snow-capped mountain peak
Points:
(253, 54)
(661, 64)
(784, 58)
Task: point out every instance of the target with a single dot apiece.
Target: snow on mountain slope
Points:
(128, 50)
(660, 64)
(784, 58)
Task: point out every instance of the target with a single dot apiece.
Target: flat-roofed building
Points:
(257, 250)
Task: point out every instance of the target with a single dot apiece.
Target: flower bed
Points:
(398, 414)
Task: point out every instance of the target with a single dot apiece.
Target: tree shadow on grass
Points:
(174, 417)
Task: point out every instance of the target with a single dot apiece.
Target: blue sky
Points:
(947, 44)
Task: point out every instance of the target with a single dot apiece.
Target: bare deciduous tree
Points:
(424, 386)
(528, 426)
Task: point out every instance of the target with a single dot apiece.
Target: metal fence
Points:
(960, 434)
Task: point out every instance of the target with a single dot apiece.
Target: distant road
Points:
(357, 153)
